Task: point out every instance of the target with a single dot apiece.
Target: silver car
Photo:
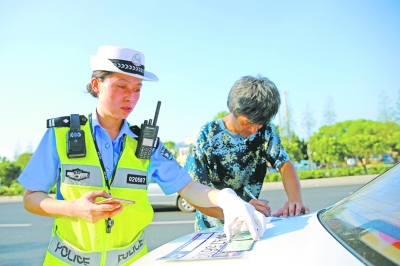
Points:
(157, 198)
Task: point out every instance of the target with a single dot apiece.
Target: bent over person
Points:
(233, 151)
(92, 159)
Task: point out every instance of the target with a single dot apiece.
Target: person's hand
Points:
(240, 216)
(292, 208)
(261, 206)
(85, 208)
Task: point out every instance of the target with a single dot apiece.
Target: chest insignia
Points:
(77, 174)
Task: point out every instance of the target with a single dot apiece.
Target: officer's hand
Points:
(85, 208)
(240, 216)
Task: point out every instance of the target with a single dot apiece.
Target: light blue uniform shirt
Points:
(42, 171)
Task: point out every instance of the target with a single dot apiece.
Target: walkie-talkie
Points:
(148, 134)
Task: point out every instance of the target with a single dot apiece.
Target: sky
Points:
(348, 50)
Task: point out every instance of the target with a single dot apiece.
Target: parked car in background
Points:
(361, 229)
(157, 198)
(305, 165)
(271, 170)
(387, 158)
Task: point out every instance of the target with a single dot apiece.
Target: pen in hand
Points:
(249, 193)
(252, 196)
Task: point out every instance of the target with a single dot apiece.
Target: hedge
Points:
(334, 172)
(15, 189)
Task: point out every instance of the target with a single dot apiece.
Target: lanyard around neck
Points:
(108, 181)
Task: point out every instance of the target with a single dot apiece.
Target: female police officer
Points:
(106, 165)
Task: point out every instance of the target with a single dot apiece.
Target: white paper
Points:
(203, 246)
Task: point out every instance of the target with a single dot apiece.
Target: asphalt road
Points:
(24, 236)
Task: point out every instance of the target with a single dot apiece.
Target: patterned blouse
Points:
(222, 159)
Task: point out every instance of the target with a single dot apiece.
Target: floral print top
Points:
(222, 159)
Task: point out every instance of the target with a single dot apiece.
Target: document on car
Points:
(205, 246)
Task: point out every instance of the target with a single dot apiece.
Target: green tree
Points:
(360, 139)
(170, 145)
(329, 115)
(364, 138)
(221, 115)
(286, 121)
(9, 173)
(293, 146)
(397, 110)
(308, 122)
(396, 145)
(390, 134)
(23, 160)
(385, 111)
(326, 146)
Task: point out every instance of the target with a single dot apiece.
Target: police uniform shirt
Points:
(42, 171)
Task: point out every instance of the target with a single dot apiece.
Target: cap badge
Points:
(136, 60)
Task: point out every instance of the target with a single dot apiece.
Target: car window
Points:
(368, 221)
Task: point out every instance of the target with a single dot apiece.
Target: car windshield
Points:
(368, 222)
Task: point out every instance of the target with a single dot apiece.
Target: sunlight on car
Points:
(367, 222)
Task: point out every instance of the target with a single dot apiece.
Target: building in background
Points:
(183, 150)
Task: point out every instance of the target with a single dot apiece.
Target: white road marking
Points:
(174, 222)
(14, 225)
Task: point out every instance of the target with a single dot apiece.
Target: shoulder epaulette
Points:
(64, 121)
(136, 130)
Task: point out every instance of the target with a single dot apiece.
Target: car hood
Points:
(300, 240)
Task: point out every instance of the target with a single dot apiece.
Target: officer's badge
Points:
(77, 174)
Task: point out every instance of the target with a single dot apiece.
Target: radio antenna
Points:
(156, 114)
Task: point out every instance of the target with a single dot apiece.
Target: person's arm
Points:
(236, 211)
(197, 167)
(173, 178)
(41, 174)
(199, 195)
(40, 203)
(291, 183)
(278, 158)
(215, 212)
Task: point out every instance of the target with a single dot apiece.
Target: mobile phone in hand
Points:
(115, 201)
